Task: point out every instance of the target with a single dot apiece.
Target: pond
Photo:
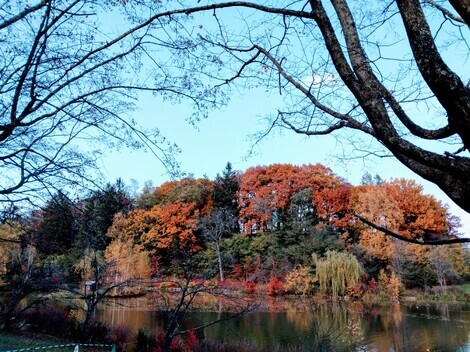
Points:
(345, 326)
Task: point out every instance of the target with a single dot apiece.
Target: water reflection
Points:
(348, 327)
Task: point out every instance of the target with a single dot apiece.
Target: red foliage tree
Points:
(266, 192)
(275, 286)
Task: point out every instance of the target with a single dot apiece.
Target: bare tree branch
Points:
(23, 14)
(412, 240)
(446, 12)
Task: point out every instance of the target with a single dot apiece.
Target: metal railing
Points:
(76, 347)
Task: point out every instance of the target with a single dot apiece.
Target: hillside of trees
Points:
(282, 227)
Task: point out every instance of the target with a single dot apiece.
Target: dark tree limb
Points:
(463, 9)
(412, 240)
(448, 88)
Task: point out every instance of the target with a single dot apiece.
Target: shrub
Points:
(355, 292)
(52, 321)
(190, 342)
(144, 343)
(95, 331)
(232, 285)
(118, 335)
(60, 323)
(372, 285)
(300, 281)
(250, 287)
(275, 286)
(178, 344)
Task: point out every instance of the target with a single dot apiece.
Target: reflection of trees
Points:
(346, 328)
(302, 321)
(118, 314)
(444, 327)
(402, 336)
(337, 327)
(342, 327)
(417, 328)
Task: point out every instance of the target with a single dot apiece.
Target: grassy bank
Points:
(465, 287)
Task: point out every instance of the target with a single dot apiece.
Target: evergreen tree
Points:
(57, 225)
(301, 215)
(145, 200)
(99, 211)
(225, 190)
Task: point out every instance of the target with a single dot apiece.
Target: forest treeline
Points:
(282, 227)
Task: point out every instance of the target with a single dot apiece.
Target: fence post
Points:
(76, 349)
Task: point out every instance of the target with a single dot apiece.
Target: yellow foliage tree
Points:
(129, 263)
(376, 205)
(401, 207)
(390, 285)
(10, 247)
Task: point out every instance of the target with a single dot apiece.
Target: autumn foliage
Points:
(266, 192)
(174, 227)
(275, 286)
(274, 230)
(400, 206)
(171, 222)
(281, 209)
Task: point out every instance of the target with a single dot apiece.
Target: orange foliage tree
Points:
(373, 203)
(171, 226)
(424, 216)
(175, 227)
(401, 207)
(266, 191)
(171, 221)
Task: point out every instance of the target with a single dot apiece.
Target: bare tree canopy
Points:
(392, 72)
(69, 76)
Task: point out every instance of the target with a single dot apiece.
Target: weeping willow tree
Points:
(337, 271)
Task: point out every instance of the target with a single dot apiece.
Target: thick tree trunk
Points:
(450, 172)
(448, 88)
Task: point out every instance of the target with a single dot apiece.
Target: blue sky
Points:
(225, 136)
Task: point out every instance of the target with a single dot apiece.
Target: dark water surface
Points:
(345, 326)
